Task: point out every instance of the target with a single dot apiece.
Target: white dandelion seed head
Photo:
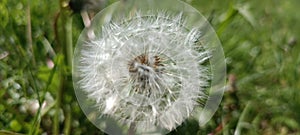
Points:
(148, 69)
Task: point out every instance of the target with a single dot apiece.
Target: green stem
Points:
(58, 100)
(56, 123)
(37, 119)
(28, 32)
(242, 118)
(68, 120)
(64, 38)
(69, 56)
(69, 44)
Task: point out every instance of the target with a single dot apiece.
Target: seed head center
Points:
(145, 63)
(144, 71)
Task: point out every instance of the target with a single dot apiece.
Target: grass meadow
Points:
(260, 39)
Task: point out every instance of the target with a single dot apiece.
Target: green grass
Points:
(260, 41)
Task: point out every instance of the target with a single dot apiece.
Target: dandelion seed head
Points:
(146, 70)
(148, 63)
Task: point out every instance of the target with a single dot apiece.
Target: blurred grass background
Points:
(260, 41)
